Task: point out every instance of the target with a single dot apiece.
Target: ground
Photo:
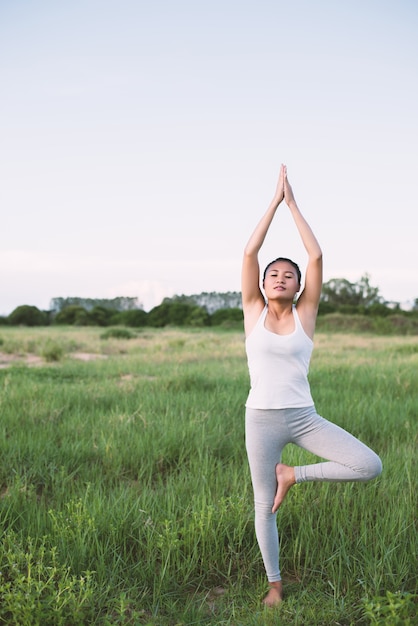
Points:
(32, 359)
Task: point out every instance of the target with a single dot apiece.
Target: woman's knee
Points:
(373, 468)
(263, 510)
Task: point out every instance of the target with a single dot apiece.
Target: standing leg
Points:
(266, 436)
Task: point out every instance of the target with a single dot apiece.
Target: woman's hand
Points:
(279, 195)
(288, 191)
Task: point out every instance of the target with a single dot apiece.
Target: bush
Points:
(401, 324)
(52, 351)
(335, 322)
(404, 324)
(396, 609)
(37, 590)
(27, 315)
(117, 333)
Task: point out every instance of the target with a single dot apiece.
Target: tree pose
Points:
(279, 408)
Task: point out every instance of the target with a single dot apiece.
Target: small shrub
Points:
(393, 609)
(37, 590)
(404, 325)
(52, 351)
(117, 333)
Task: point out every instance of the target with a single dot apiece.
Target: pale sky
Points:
(140, 143)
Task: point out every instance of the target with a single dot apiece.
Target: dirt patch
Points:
(6, 360)
(88, 356)
(27, 359)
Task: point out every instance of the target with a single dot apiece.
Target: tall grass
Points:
(126, 497)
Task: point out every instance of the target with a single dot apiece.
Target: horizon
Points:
(405, 305)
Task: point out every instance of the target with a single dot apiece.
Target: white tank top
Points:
(278, 366)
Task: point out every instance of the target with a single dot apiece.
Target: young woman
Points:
(279, 409)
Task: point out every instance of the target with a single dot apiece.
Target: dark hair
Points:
(282, 258)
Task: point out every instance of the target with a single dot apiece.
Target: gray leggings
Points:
(266, 434)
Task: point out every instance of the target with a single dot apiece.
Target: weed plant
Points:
(126, 496)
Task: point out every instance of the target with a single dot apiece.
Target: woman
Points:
(279, 409)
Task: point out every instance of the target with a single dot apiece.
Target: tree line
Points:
(339, 296)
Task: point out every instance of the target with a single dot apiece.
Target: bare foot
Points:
(285, 476)
(275, 595)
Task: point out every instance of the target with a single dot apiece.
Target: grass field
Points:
(125, 495)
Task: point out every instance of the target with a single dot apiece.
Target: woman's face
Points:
(281, 281)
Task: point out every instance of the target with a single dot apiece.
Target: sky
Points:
(140, 143)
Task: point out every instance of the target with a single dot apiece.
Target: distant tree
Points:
(381, 309)
(135, 318)
(341, 293)
(214, 301)
(100, 316)
(177, 313)
(74, 315)
(198, 316)
(338, 291)
(226, 316)
(27, 315)
(369, 295)
(160, 315)
(121, 303)
(211, 301)
(325, 307)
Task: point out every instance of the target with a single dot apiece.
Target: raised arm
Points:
(252, 297)
(308, 301)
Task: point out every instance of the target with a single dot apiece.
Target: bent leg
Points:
(348, 459)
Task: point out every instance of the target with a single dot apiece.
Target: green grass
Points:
(125, 495)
